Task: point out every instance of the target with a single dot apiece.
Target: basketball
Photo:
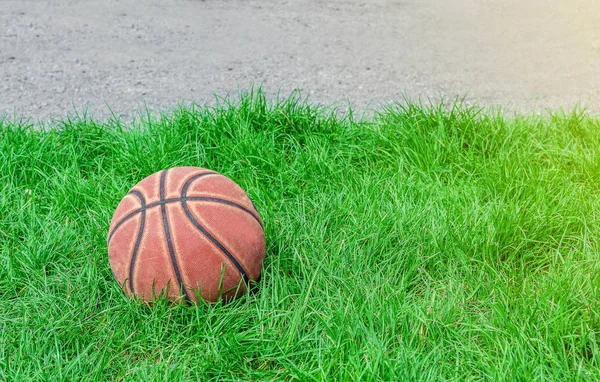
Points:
(186, 232)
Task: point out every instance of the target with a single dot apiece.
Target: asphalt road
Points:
(59, 56)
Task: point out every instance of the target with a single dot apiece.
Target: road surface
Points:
(62, 56)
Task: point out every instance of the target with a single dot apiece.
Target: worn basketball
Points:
(186, 232)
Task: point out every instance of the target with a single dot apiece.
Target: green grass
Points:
(425, 243)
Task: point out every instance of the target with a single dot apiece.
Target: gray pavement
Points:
(58, 56)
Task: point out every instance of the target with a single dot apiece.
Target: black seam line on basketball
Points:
(197, 224)
(219, 200)
(168, 236)
(214, 241)
(189, 198)
(138, 239)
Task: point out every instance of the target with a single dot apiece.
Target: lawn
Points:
(441, 242)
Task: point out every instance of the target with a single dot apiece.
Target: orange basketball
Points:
(186, 231)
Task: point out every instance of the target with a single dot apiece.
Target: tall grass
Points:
(425, 243)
